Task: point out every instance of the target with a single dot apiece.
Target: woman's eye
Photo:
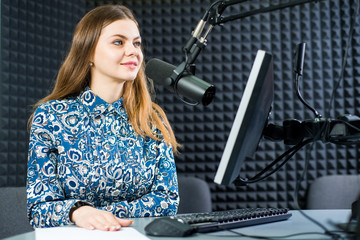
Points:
(118, 42)
(137, 44)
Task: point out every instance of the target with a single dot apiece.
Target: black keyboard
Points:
(186, 224)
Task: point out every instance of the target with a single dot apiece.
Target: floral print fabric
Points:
(85, 149)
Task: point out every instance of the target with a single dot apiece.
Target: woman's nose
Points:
(130, 49)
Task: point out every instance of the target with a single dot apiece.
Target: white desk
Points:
(296, 224)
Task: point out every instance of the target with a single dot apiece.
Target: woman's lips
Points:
(131, 65)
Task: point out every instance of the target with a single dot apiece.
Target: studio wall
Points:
(34, 38)
(36, 34)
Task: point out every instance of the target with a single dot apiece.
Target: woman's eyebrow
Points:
(122, 36)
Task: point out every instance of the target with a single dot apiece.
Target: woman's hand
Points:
(91, 218)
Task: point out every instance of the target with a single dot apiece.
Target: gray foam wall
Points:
(36, 34)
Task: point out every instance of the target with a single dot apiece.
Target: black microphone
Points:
(183, 83)
(299, 58)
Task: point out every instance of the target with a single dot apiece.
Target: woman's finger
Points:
(124, 222)
(111, 222)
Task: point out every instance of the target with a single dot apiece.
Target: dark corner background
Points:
(35, 36)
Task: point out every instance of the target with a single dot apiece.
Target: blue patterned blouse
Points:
(84, 149)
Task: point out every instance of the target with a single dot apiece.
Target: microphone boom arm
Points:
(217, 19)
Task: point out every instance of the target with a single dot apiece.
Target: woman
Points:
(100, 150)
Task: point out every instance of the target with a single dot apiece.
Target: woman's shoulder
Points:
(58, 106)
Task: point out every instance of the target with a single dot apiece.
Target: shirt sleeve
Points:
(46, 203)
(163, 199)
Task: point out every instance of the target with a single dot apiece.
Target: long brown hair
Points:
(74, 75)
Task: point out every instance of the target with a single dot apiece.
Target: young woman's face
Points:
(118, 54)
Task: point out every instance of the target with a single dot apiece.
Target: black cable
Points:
(296, 199)
(298, 93)
(206, 15)
(333, 235)
(289, 153)
(351, 30)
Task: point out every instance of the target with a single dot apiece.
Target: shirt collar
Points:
(97, 106)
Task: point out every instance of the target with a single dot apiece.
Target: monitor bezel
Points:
(250, 119)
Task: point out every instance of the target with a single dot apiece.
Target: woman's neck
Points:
(109, 92)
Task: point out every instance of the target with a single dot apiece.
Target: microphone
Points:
(299, 59)
(180, 82)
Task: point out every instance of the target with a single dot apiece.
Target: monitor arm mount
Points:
(344, 130)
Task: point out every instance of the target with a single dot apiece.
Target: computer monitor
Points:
(250, 119)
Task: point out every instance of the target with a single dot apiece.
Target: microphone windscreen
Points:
(159, 71)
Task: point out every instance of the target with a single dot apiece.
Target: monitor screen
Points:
(250, 119)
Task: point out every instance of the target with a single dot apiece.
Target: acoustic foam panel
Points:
(34, 38)
(226, 62)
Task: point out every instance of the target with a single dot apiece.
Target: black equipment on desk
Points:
(187, 224)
